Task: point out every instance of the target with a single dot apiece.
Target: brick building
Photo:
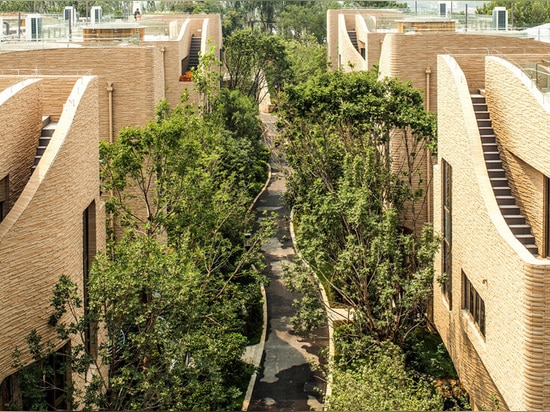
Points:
(57, 101)
(487, 193)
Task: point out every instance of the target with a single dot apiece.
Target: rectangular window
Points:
(447, 231)
(4, 193)
(88, 254)
(473, 303)
(57, 379)
(546, 214)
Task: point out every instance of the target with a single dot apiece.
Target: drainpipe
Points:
(110, 91)
(429, 165)
(428, 73)
(111, 140)
(162, 50)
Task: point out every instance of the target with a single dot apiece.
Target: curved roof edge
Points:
(63, 127)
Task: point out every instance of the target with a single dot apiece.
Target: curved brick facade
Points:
(53, 218)
(41, 237)
(509, 360)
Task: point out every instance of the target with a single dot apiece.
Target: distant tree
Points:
(303, 19)
(368, 4)
(254, 59)
(525, 13)
(307, 58)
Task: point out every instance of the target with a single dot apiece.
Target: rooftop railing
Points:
(535, 66)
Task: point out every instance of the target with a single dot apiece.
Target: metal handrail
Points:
(535, 66)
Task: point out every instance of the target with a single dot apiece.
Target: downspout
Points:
(429, 165)
(110, 91)
(428, 73)
(162, 50)
(111, 140)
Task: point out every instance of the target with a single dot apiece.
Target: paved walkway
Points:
(286, 380)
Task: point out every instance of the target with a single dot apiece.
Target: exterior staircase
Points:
(48, 127)
(194, 50)
(353, 37)
(501, 188)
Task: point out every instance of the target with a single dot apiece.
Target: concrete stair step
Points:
(496, 173)
(488, 139)
(484, 123)
(498, 181)
(45, 121)
(492, 156)
(493, 164)
(502, 191)
(49, 129)
(510, 209)
(486, 131)
(40, 150)
(520, 229)
(482, 115)
(506, 200)
(515, 219)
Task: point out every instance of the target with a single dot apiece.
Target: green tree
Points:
(380, 381)
(303, 19)
(255, 62)
(525, 13)
(177, 292)
(348, 195)
(307, 59)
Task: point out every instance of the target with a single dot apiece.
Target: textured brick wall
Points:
(131, 70)
(41, 238)
(177, 50)
(473, 237)
(510, 280)
(379, 18)
(374, 47)
(408, 55)
(521, 121)
(54, 95)
(21, 125)
(414, 214)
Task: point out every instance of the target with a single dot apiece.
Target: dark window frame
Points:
(446, 222)
(89, 250)
(473, 303)
(546, 214)
(4, 196)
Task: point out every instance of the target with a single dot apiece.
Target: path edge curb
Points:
(326, 305)
(259, 348)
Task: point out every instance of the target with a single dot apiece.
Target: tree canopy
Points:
(380, 381)
(175, 298)
(525, 13)
(357, 146)
(350, 197)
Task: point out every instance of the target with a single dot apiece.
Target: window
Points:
(546, 214)
(44, 384)
(447, 231)
(88, 254)
(4, 192)
(473, 303)
(57, 378)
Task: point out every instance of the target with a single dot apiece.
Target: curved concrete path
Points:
(286, 380)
